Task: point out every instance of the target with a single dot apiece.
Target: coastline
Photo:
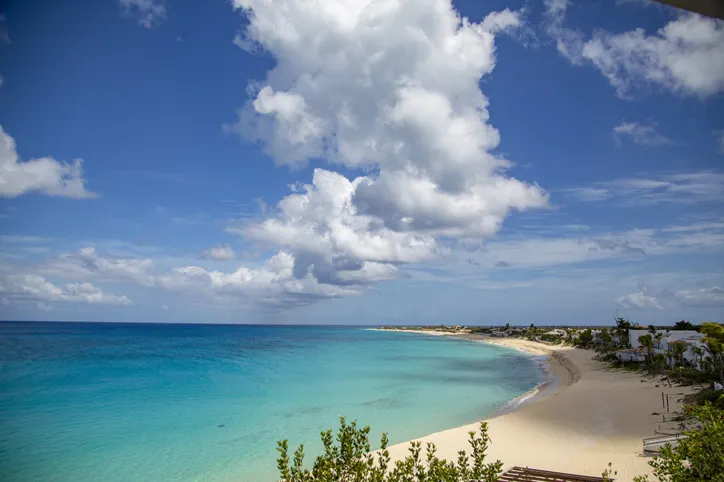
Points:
(583, 418)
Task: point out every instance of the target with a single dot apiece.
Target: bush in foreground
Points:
(700, 456)
(350, 460)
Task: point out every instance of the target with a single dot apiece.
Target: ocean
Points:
(90, 402)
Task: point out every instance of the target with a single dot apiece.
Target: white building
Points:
(690, 338)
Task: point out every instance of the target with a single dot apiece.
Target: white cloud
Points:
(685, 56)
(277, 282)
(219, 253)
(701, 297)
(44, 175)
(87, 264)
(149, 13)
(322, 221)
(713, 296)
(272, 283)
(640, 134)
(23, 288)
(535, 252)
(640, 300)
(687, 187)
(391, 87)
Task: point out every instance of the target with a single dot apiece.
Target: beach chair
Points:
(526, 474)
(653, 445)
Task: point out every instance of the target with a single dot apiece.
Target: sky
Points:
(361, 162)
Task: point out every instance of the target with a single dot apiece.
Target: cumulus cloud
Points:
(640, 300)
(219, 253)
(149, 13)
(44, 175)
(272, 284)
(277, 282)
(685, 56)
(640, 134)
(33, 288)
(392, 88)
(682, 188)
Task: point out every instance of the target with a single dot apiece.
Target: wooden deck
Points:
(525, 474)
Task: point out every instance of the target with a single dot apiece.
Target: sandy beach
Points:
(590, 417)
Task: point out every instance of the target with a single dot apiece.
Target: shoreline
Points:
(591, 416)
(560, 371)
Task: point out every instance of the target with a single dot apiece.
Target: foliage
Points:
(685, 325)
(707, 395)
(585, 338)
(688, 375)
(350, 460)
(551, 338)
(697, 458)
(622, 328)
(714, 343)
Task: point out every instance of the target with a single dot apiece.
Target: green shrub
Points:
(350, 460)
(688, 375)
(697, 458)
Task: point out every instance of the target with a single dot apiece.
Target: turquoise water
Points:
(140, 402)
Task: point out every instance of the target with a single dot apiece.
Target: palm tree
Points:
(679, 348)
(648, 343)
(660, 362)
(658, 338)
(669, 357)
(715, 353)
(652, 330)
(699, 353)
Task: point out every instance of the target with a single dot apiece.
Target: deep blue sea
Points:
(90, 402)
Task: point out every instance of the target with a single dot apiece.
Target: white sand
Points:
(593, 416)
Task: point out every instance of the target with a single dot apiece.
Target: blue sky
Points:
(358, 162)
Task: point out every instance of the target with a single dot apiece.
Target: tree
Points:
(648, 343)
(507, 326)
(660, 362)
(697, 458)
(585, 338)
(714, 345)
(678, 348)
(699, 353)
(606, 341)
(684, 325)
(350, 460)
(652, 330)
(622, 328)
(657, 339)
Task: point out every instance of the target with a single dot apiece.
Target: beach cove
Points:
(588, 417)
